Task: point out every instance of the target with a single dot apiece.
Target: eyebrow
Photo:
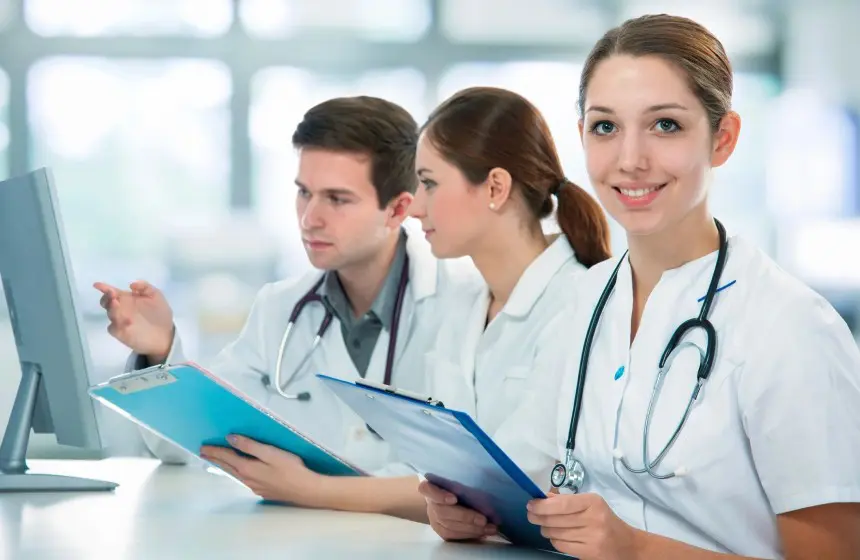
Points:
(336, 191)
(423, 171)
(651, 109)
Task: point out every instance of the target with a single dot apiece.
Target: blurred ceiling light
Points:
(266, 18)
(383, 20)
(205, 16)
(515, 21)
(741, 30)
(92, 18)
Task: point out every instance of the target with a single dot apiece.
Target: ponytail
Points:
(583, 223)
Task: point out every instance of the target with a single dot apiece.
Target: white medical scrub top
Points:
(775, 429)
(487, 372)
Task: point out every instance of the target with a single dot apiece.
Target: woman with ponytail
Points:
(489, 176)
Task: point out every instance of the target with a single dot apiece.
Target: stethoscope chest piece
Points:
(569, 475)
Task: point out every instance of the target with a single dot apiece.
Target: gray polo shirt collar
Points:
(332, 293)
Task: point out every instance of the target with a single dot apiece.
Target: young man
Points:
(356, 177)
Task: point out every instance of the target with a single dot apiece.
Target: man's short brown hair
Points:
(379, 129)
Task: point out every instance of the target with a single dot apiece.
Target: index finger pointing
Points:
(106, 289)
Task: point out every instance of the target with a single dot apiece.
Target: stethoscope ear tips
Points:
(682, 471)
(617, 453)
(304, 396)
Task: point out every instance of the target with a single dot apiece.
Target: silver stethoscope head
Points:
(569, 475)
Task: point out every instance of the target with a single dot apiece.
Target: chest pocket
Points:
(447, 382)
(516, 384)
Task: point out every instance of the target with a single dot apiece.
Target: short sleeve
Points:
(799, 396)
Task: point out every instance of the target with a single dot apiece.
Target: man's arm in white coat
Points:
(246, 354)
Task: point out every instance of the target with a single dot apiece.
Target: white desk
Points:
(162, 512)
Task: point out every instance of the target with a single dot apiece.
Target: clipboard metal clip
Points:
(141, 380)
(398, 392)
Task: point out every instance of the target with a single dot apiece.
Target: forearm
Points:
(656, 547)
(390, 496)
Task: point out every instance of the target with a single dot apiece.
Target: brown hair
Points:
(680, 41)
(379, 129)
(481, 128)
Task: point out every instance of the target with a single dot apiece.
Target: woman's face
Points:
(454, 213)
(648, 144)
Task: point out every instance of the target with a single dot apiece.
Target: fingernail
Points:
(233, 439)
(451, 500)
(490, 530)
(480, 521)
(529, 506)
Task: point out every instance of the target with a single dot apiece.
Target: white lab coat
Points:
(488, 373)
(775, 429)
(324, 417)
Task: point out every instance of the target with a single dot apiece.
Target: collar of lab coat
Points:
(537, 277)
(423, 266)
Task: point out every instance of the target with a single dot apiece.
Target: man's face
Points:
(338, 209)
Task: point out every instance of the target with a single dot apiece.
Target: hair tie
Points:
(554, 190)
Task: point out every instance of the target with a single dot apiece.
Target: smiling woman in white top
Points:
(749, 448)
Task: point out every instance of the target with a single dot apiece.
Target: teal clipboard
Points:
(191, 407)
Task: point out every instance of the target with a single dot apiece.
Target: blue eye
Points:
(602, 128)
(428, 183)
(667, 126)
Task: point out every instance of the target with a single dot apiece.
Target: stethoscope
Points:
(313, 297)
(570, 474)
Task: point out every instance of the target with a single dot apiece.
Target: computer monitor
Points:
(39, 288)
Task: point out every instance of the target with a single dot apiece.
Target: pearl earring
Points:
(492, 206)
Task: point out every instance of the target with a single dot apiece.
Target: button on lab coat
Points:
(775, 429)
(488, 372)
(324, 417)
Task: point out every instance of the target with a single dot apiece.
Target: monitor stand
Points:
(13, 451)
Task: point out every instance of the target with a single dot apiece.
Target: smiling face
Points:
(648, 143)
(338, 209)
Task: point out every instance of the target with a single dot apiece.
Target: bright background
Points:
(167, 124)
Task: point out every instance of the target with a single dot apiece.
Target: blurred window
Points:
(137, 147)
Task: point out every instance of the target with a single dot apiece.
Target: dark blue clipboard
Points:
(451, 451)
(191, 407)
